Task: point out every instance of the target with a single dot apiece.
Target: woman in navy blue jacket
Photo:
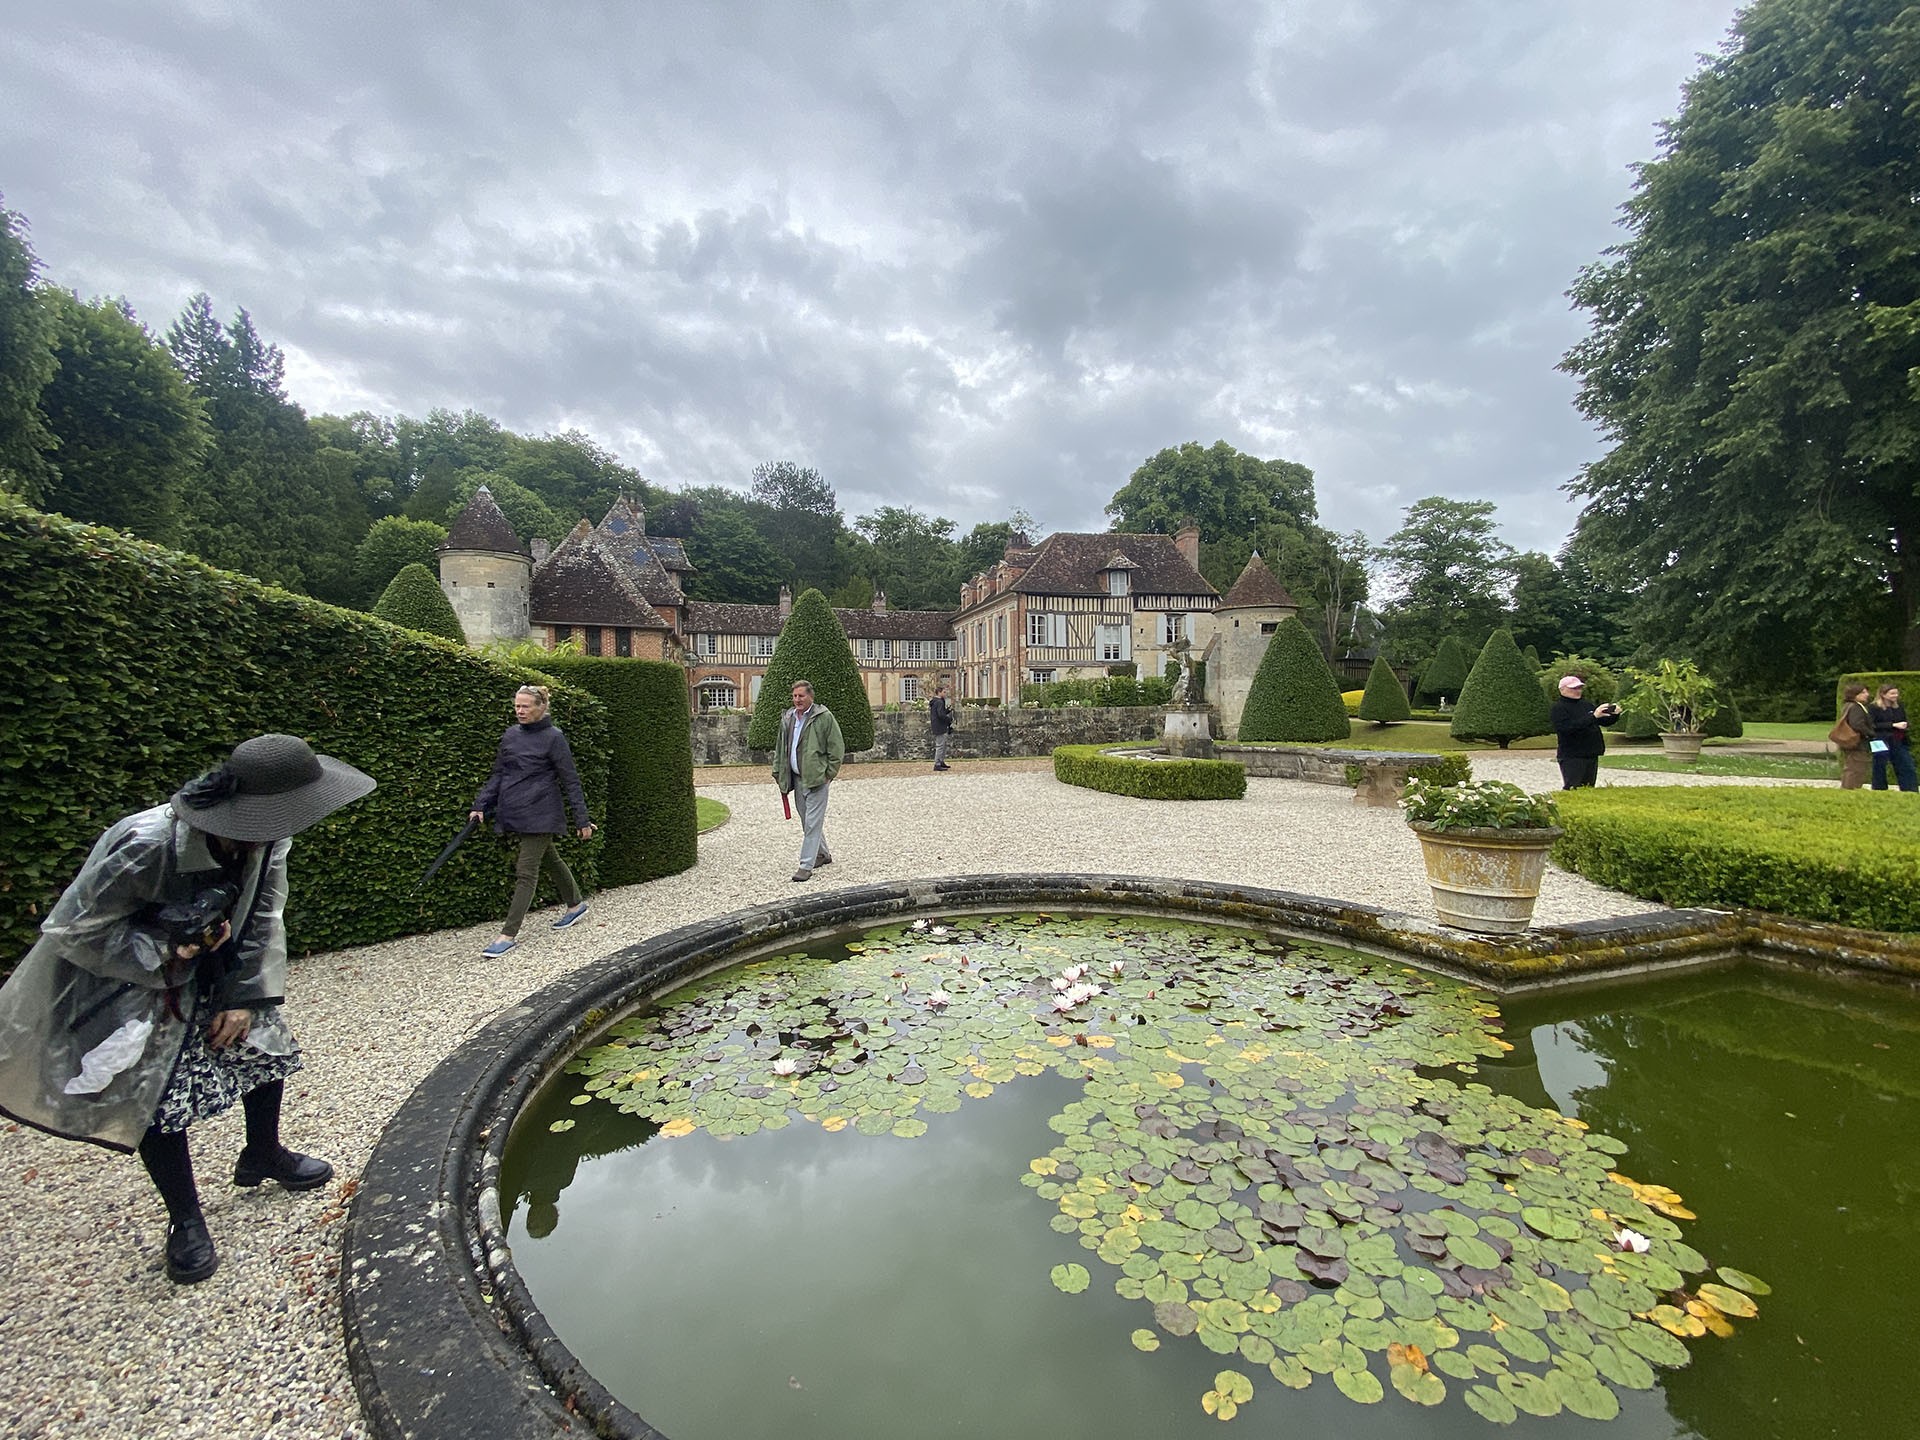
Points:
(533, 765)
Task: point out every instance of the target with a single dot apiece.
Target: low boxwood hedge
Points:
(1092, 769)
(1851, 857)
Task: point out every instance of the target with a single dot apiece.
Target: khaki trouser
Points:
(1853, 767)
(536, 850)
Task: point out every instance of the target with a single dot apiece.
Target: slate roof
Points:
(581, 583)
(1071, 564)
(706, 616)
(481, 526)
(1257, 585)
(623, 533)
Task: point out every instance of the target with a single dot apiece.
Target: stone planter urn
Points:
(1485, 880)
(1681, 745)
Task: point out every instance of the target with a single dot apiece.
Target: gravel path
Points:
(93, 1339)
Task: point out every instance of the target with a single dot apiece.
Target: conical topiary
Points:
(1446, 672)
(1533, 657)
(812, 646)
(1386, 698)
(1501, 700)
(1725, 723)
(1294, 695)
(414, 599)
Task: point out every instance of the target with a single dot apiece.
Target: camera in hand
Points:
(197, 921)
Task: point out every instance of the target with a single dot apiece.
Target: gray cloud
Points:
(966, 258)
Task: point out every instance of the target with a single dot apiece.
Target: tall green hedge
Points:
(1294, 695)
(1602, 684)
(1907, 680)
(812, 646)
(1847, 856)
(414, 600)
(1386, 698)
(650, 822)
(151, 666)
(1501, 700)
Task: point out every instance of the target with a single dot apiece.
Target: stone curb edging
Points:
(442, 1338)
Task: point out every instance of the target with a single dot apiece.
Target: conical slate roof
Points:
(1258, 587)
(481, 526)
(624, 533)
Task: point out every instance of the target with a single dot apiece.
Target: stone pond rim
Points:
(442, 1338)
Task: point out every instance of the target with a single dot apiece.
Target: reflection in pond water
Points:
(1279, 1169)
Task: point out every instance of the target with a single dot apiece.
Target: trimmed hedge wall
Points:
(1851, 857)
(1907, 680)
(650, 822)
(1087, 767)
(154, 665)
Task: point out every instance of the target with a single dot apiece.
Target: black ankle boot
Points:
(191, 1257)
(293, 1170)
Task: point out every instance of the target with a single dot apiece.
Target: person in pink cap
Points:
(1577, 722)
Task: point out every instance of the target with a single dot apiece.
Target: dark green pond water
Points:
(888, 1192)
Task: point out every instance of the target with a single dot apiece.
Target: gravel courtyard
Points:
(93, 1339)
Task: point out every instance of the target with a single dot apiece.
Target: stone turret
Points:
(1248, 615)
(486, 573)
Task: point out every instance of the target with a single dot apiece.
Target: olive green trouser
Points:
(536, 850)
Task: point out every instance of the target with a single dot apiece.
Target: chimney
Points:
(1187, 541)
(786, 604)
(540, 548)
(879, 602)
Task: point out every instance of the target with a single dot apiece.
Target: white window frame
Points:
(1175, 626)
(914, 647)
(943, 649)
(1111, 641)
(1119, 582)
(763, 646)
(1041, 676)
(709, 643)
(717, 688)
(909, 687)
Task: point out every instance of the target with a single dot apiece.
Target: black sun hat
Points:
(272, 787)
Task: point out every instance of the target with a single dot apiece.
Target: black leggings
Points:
(170, 1164)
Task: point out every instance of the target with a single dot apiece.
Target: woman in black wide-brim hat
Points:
(152, 998)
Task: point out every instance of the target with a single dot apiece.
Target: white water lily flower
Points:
(785, 1065)
(939, 932)
(919, 924)
(1632, 1241)
(1118, 967)
(1063, 1002)
(1074, 972)
(939, 997)
(1081, 993)
(1060, 982)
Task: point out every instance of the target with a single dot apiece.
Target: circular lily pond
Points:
(1041, 1174)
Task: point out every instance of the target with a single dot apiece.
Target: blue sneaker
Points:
(570, 916)
(499, 948)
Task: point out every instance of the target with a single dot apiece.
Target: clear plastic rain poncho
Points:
(91, 1022)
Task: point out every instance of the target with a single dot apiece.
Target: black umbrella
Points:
(446, 854)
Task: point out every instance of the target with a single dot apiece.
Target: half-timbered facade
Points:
(1077, 605)
(899, 653)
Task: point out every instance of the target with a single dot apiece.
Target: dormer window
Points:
(1119, 582)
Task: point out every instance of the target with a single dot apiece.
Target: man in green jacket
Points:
(804, 764)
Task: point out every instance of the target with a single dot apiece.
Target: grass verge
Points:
(709, 814)
(1766, 767)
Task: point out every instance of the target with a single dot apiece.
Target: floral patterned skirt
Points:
(206, 1082)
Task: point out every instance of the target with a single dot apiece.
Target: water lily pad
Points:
(1070, 1278)
(1145, 1340)
(1490, 1404)
(1728, 1301)
(1740, 1280)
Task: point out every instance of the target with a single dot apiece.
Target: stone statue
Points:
(1183, 682)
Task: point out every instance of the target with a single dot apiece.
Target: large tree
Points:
(799, 516)
(1754, 359)
(130, 429)
(1450, 573)
(26, 365)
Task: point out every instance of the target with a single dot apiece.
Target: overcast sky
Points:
(966, 257)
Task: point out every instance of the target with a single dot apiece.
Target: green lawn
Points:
(1771, 767)
(709, 814)
(1796, 730)
(1424, 737)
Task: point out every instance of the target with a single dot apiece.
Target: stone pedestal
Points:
(1188, 734)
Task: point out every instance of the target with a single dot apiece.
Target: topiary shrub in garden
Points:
(1294, 695)
(651, 827)
(1603, 685)
(1533, 657)
(181, 662)
(1725, 723)
(812, 646)
(392, 543)
(1907, 680)
(1446, 672)
(1501, 700)
(1087, 767)
(415, 601)
(1385, 700)
(1847, 857)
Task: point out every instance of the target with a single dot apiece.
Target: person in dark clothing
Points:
(152, 999)
(533, 765)
(1890, 745)
(1577, 722)
(1853, 759)
(940, 722)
